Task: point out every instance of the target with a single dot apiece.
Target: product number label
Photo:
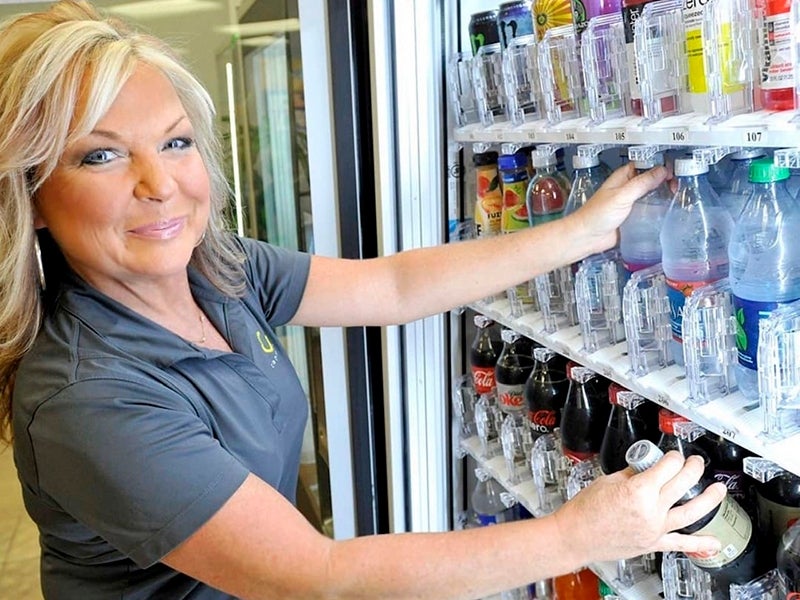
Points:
(620, 136)
(680, 135)
(570, 136)
(753, 136)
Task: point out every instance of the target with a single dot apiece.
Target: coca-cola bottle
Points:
(511, 372)
(546, 391)
(728, 522)
(788, 560)
(483, 357)
(778, 502)
(625, 426)
(727, 466)
(670, 441)
(585, 414)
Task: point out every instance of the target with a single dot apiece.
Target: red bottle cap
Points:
(667, 420)
(570, 366)
(613, 390)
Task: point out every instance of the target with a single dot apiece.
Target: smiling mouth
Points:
(161, 230)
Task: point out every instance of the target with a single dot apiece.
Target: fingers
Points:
(686, 514)
(664, 471)
(694, 544)
(644, 182)
(620, 176)
(689, 474)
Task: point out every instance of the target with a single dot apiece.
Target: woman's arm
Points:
(259, 547)
(418, 283)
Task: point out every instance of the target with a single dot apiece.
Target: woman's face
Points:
(128, 203)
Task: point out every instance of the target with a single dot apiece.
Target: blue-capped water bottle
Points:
(765, 262)
(639, 242)
(588, 176)
(694, 242)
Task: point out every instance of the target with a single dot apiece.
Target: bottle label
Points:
(734, 481)
(543, 421)
(515, 213)
(489, 203)
(732, 527)
(775, 518)
(484, 519)
(693, 22)
(748, 313)
(630, 14)
(575, 457)
(777, 70)
(677, 292)
(510, 398)
(483, 379)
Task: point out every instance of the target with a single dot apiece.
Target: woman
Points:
(156, 420)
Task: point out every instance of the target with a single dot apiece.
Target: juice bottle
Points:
(777, 69)
(489, 197)
(514, 180)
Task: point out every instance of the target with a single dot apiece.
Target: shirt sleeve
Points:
(133, 463)
(278, 277)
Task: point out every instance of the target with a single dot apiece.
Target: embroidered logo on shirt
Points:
(267, 347)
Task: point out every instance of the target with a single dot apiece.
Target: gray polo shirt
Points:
(128, 438)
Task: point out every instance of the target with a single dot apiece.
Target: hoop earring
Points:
(202, 238)
(37, 250)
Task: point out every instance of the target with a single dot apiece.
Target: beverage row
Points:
(731, 221)
(556, 59)
(562, 424)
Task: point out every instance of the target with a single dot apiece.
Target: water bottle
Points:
(765, 263)
(486, 501)
(586, 180)
(639, 241)
(735, 190)
(694, 242)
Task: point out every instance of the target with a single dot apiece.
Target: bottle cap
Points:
(667, 420)
(543, 354)
(654, 161)
(482, 322)
(642, 455)
(570, 365)
(584, 162)
(486, 14)
(543, 158)
(509, 336)
(508, 162)
(482, 159)
(582, 374)
(685, 167)
(764, 170)
(748, 154)
(613, 390)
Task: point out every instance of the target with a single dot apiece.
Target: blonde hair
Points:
(60, 70)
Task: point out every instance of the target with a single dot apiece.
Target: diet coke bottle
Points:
(511, 372)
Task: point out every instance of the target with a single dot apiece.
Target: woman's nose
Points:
(154, 180)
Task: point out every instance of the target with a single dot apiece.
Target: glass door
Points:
(267, 151)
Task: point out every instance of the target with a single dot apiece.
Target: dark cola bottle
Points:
(727, 465)
(511, 372)
(546, 391)
(788, 561)
(585, 414)
(483, 357)
(728, 522)
(778, 508)
(625, 426)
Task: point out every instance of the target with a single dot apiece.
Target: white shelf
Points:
(733, 417)
(647, 588)
(759, 129)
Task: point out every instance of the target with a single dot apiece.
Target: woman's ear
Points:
(38, 221)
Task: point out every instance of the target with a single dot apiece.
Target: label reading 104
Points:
(570, 136)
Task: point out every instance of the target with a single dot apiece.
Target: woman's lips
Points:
(162, 230)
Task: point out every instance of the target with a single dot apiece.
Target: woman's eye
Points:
(99, 156)
(179, 143)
